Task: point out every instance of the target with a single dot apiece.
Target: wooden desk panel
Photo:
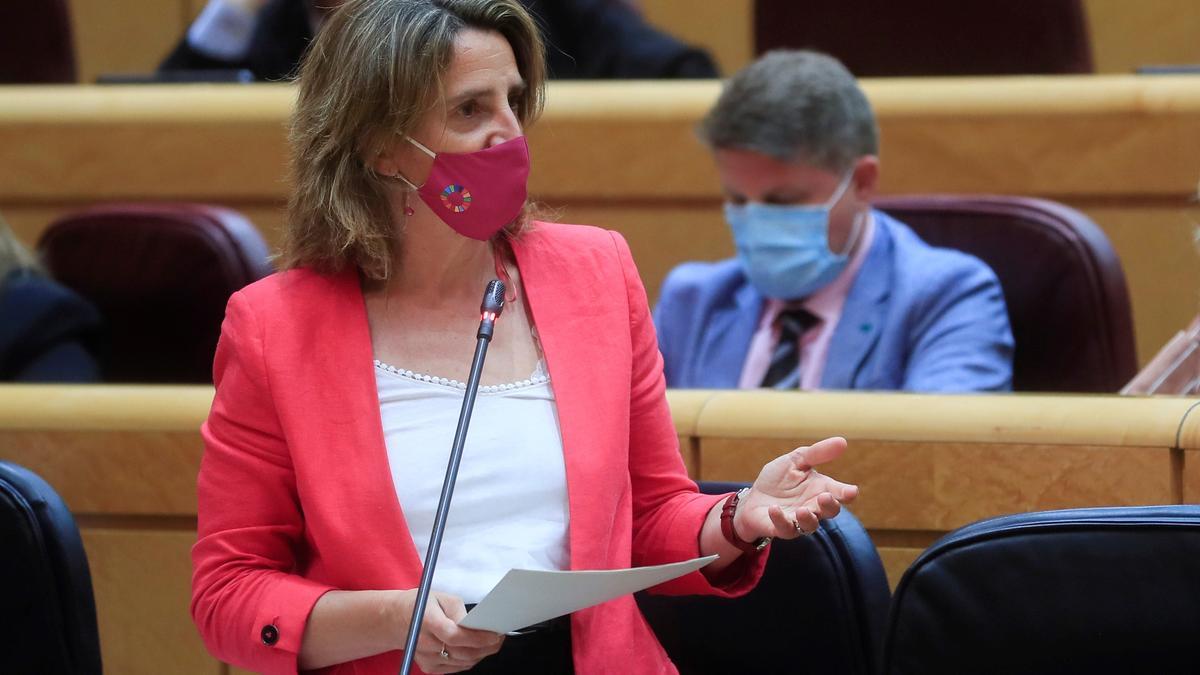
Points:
(1125, 150)
(142, 582)
(1188, 455)
(929, 464)
(943, 486)
(125, 460)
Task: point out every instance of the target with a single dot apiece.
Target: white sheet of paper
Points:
(526, 597)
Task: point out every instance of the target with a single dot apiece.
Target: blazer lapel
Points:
(346, 427)
(571, 319)
(858, 329)
(726, 339)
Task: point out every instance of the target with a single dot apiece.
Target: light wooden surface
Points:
(142, 582)
(928, 464)
(1127, 35)
(125, 461)
(1125, 150)
(1124, 34)
(124, 36)
(1189, 455)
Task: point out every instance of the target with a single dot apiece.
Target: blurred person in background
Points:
(585, 39)
(825, 292)
(47, 332)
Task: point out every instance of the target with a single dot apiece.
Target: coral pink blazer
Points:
(295, 494)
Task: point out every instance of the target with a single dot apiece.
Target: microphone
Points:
(489, 309)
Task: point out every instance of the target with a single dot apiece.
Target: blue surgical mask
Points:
(785, 249)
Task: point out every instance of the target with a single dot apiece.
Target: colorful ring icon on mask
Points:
(456, 198)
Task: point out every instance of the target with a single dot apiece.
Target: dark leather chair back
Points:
(46, 604)
(160, 274)
(35, 42)
(1105, 590)
(821, 606)
(1063, 283)
(932, 37)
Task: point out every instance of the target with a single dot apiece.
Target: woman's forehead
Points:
(481, 60)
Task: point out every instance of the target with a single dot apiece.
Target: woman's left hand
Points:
(790, 497)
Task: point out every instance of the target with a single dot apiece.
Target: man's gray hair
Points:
(794, 106)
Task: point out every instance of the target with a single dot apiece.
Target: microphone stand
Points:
(493, 304)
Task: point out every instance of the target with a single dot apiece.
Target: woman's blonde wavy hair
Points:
(371, 73)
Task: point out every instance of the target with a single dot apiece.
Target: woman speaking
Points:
(339, 381)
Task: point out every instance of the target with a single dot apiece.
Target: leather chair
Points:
(35, 42)
(1103, 590)
(821, 606)
(932, 37)
(1063, 283)
(160, 274)
(46, 603)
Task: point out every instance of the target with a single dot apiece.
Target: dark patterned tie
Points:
(784, 372)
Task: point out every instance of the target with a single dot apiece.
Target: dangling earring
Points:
(408, 210)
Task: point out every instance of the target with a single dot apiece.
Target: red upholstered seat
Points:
(932, 37)
(1063, 283)
(35, 42)
(160, 275)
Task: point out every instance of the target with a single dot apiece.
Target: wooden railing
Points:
(125, 459)
(1123, 149)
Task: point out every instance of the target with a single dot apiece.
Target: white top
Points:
(509, 508)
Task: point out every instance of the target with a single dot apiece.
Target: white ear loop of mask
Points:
(432, 155)
(859, 218)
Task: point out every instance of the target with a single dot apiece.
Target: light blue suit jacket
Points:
(917, 318)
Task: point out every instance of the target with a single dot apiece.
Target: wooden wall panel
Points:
(122, 472)
(942, 486)
(895, 561)
(1126, 35)
(125, 460)
(125, 36)
(1189, 456)
(1162, 266)
(1126, 151)
(725, 28)
(142, 583)
(134, 35)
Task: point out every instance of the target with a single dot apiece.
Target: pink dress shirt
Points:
(826, 304)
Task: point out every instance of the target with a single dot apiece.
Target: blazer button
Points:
(270, 635)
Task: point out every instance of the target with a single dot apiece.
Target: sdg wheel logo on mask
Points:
(456, 198)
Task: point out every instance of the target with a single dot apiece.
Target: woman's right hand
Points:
(441, 634)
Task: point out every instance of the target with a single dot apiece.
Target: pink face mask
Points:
(477, 193)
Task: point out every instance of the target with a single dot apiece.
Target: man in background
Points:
(825, 292)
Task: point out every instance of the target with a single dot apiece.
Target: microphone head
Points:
(493, 298)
